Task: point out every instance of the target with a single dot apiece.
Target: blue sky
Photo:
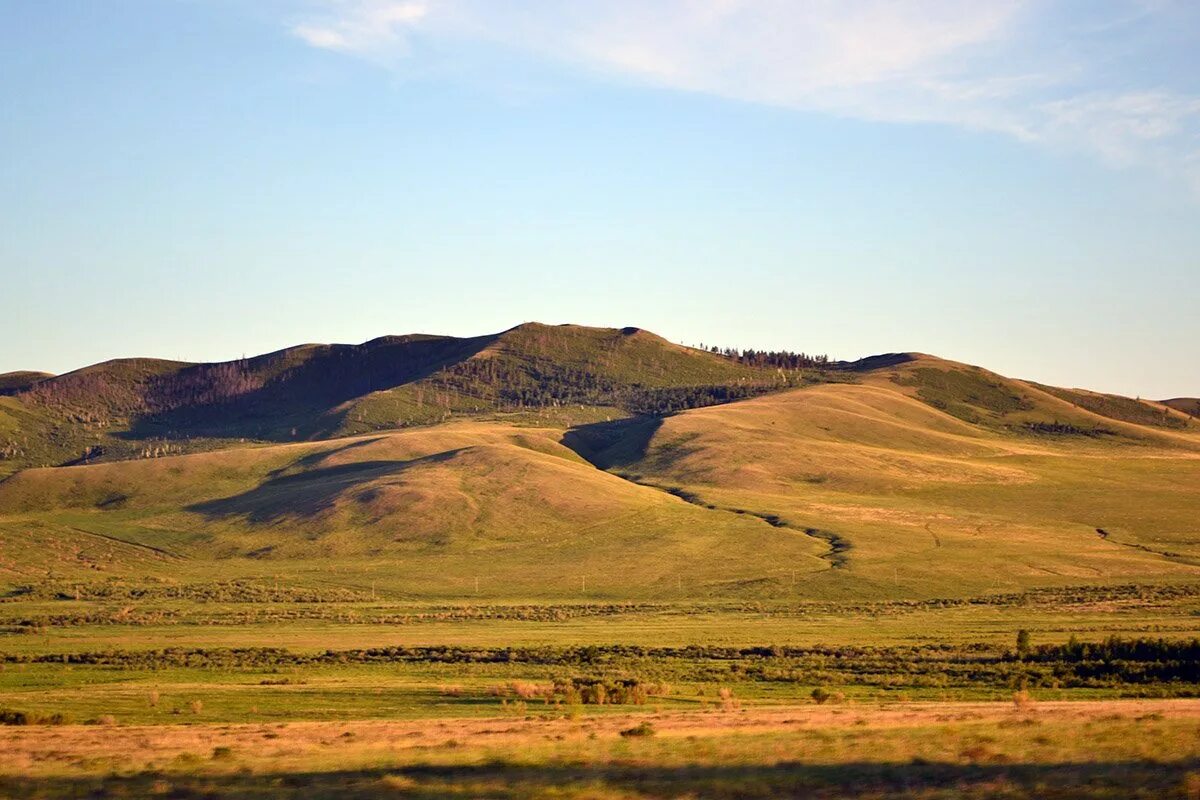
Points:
(1012, 184)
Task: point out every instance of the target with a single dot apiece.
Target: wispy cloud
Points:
(1123, 127)
(1042, 71)
(364, 27)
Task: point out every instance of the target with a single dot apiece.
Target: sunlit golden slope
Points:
(916, 499)
(425, 512)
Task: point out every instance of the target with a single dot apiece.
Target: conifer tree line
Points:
(776, 359)
(542, 383)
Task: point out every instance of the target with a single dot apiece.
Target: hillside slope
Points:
(978, 396)
(11, 382)
(1031, 490)
(422, 513)
(1188, 405)
(132, 408)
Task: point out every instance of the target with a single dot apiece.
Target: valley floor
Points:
(1099, 749)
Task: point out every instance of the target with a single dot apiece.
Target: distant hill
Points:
(554, 462)
(11, 382)
(129, 408)
(1188, 405)
(137, 407)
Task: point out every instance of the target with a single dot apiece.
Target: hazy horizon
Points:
(694, 342)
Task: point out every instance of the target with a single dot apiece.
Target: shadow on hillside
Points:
(880, 361)
(291, 394)
(306, 494)
(508, 781)
(314, 459)
(613, 444)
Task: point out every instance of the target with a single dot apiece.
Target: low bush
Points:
(10, 716)
(641, 729)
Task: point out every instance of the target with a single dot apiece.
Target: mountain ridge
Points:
(118, 408)
(134, 407)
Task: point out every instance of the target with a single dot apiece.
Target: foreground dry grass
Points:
(1054, 749)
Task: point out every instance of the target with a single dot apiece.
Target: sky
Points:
(1014, 183)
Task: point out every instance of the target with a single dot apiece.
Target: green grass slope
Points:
(933, 478)
(535, 366)
(445, 511)
(995, 402)
(134, 408)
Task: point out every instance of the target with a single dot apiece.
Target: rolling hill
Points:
(1188, 405)
(426, 512)
(137, 407)
(562, 462)
(17, 381)
(1032, 488)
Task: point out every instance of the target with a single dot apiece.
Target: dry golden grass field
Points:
(1117, 749)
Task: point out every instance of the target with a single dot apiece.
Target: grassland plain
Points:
(563, 533)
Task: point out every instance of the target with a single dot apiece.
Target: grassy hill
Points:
(426, 512)
(133, 408)
(529, 465)
(11, 382)
(932, 476)
(975, 395)
(1188, 405)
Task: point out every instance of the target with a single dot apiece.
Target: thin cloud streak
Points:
(365, 27)
(1003, 66)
